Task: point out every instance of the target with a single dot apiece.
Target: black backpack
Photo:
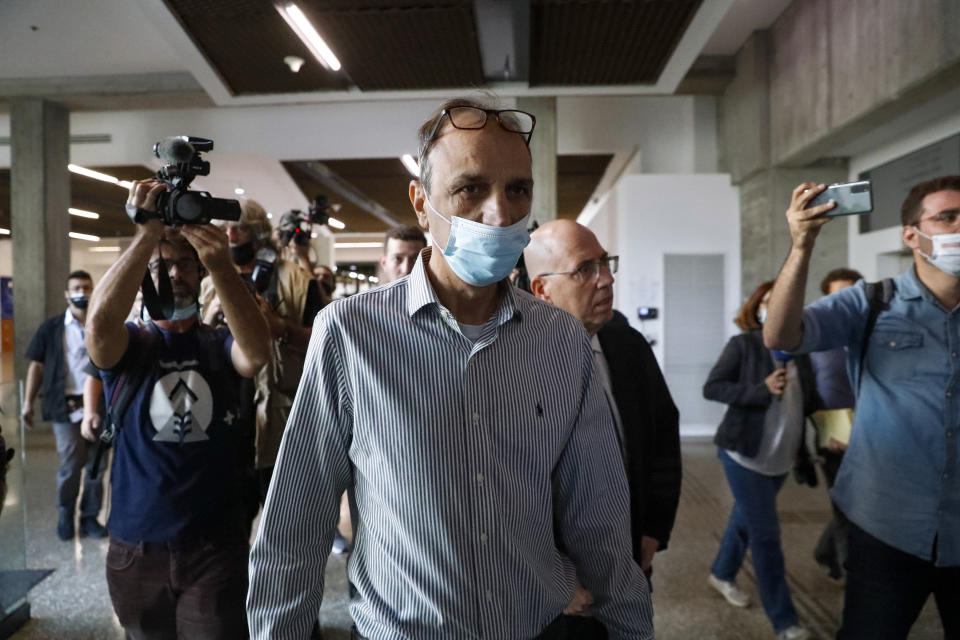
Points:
(879, 294)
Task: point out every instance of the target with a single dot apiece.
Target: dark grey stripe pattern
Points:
(472, 463)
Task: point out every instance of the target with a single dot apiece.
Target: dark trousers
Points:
(886, 589)
(76, 459)
(831, 549)
(193, 593)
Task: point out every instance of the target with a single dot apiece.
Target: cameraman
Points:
(176, 564)
(293, 236)
(289, 299)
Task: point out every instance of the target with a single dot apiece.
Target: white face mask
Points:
(946, 252)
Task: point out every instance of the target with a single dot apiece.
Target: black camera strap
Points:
(123, 392)
(159, 304)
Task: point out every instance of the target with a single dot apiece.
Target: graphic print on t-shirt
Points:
(181, 407)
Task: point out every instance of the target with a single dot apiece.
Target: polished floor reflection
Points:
(73, 602)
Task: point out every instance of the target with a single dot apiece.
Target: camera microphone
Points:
(174, 150)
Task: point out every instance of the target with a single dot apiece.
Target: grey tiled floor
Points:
(73, 603)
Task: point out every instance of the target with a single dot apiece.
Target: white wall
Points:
(676, 134)
(870, 253)
(648, 216)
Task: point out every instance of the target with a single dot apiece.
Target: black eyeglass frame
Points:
(446, 114)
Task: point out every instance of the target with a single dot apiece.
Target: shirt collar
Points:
(595, 343)
(420, 292)
(909, 286)
(69, 319)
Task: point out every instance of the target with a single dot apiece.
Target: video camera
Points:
(295, 224)
(179, 205)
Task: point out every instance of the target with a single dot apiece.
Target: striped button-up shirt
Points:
(472, 461)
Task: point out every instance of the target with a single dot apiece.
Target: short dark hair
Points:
(404, 233)
(172, 238)
(79, 274)
(843, 273)
(426, 142)
(747, 317)
(913, 204)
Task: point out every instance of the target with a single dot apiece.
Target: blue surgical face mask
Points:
(481, 254)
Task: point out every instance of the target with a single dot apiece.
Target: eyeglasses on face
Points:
(947, 216)
(184, 265)
(590, 271)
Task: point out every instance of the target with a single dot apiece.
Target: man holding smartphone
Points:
(900, 481)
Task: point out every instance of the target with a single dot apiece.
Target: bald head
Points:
(562, 260)
(549, 245)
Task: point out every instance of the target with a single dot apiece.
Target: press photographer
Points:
(289, 299)
(176, 564)
(296, 229)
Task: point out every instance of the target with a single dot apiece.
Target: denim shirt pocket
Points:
(894, 353)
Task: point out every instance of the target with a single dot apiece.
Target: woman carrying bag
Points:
(769, 395)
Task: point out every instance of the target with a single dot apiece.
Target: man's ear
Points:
(417, 199)
(910, 236)
(538, 287)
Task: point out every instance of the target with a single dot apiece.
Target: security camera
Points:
(294, 62)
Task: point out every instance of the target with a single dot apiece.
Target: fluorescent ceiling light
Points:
(411, 165)
(84, 236)
(96, 175)
(93, 215)
(104, 249)
(360, 276)
(352, 275)
(374, 279)
(239, 191)
(308, 34)
(358, 245)
(4, 232)
(336, 224)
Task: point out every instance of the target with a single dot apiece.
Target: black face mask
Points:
(242, 253)
(80, 302)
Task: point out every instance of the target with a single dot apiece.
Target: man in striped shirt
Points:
(470, 421)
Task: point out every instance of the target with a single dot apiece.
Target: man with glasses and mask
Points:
(469, 419)
(899, 484)
(57, 358)
(570, 269)
(176, 565)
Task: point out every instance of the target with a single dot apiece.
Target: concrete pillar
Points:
(323, 246)
(765, 238)
(543, 148)
(744, 121)
(39, 198)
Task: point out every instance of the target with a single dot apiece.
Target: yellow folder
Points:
(833, 423)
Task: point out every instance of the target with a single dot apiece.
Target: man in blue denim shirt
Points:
(900, 480)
